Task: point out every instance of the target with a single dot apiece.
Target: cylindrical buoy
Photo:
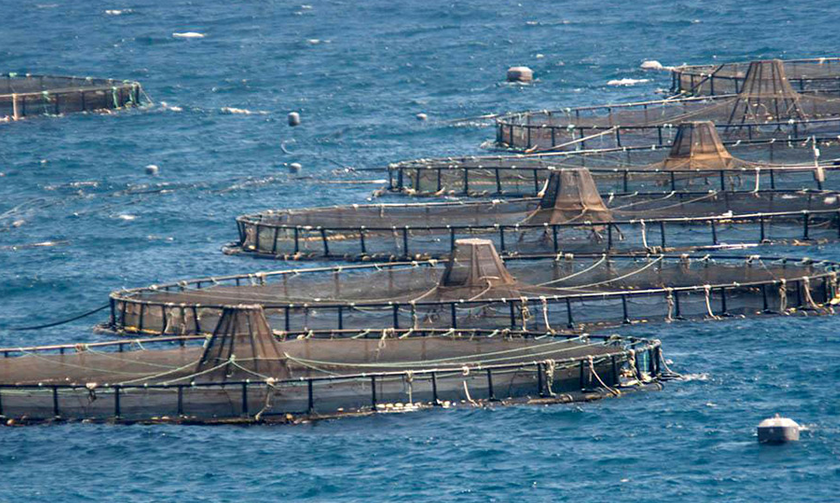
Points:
(520, 74)
(778, 430)
(295, 167)
(422, 116)
(152, 170)
(294, 119)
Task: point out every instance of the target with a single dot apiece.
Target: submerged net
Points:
(548, 293)
(245, 373)
(29, 95)
(804, 75)
(570, 216)
(767, 107)
(698, 157)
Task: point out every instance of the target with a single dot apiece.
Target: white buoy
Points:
(778, 430)
(294, 119)
(652, 65)
(520, 74)
(422, 116)
(152, 170)
(295, 167)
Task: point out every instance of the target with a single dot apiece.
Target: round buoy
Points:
(651, 64)
(152, 170)
(778, 430)
(295, 167)
(422, 116)
(294, 119)
(520, 74)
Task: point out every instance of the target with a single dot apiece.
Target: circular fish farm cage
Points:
(767, 107)
(474, 288)
(569, 217)
(32, 95)
(804, 75)
(244, 373)
(698, 159)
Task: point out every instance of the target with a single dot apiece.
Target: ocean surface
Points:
(80, 218)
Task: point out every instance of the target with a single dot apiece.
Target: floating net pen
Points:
(804, 75)
(767, 107)
(474, 288)
(569, 217)
(698, 159)
(31, 95)
(243, 372)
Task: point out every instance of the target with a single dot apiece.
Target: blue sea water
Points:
(358, 72)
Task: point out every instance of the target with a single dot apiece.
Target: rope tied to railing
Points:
(545, 315)
(783, 296)
(524, 312)
(549, 367)
(669, 298)
(707, 292)
(644, 234)
(591, 360)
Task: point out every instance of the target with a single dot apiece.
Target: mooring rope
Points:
(62, 322)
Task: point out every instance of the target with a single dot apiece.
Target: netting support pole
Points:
(554, 238)
(502, 238)
(454, 316)
(582, 375)
(626, 320)
(765, 305)
(310, 396)
(761, 225)
(180, 400)
(362, 240)
(673, 182)
(297, 240)
(722, 180)
(540, 380)
(373, 393)
(405, 241)
(799, 287)
(244, 399)
(434, 388)
(536, 182)
(195, 319)
(1, 404)
(274, 242)
(117, 412)
(340, 317)
(512, 315)
(626, 182)
(723, 309)
(677, 313)
(466, 180)
(714, 232)
(324, 240)
(113, 312)
(610, 237)
(662, 233)
(571, 321)
(397, 317)
(452, 239)
(772, 178)
(498, 181)
(806, 220)
(287, 318)
(614, 368)
(490, 394)
(638, 366)
(56, 411)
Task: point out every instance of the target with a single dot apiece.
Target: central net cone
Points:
(766, 96)
(242, 347)
(570, 195)
(475, 264)
(697, 145)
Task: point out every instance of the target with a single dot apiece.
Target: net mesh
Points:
(820, 74)
(245, 373)
(697, 157)
(556, 292)
(29, 95)
(766, 107)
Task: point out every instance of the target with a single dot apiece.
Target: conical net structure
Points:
(242, 347)
(698, 146)
(475, 264)
(767, 96)
(570, 195)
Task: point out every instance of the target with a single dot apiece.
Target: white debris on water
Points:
(242, 111)
(188, 34)
(651, 65)
(626, 82)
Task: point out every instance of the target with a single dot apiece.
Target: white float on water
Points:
(778, 430)
(152, 169)
(294, 119)
(652, 65)
(295, 167)
(520, 74)
(422, 116)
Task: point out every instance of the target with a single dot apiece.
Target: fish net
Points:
(804, 75)
(569, 217)
(243, 372)
(29, 95)
(547, 293)
(697, 159)
(767, 107)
